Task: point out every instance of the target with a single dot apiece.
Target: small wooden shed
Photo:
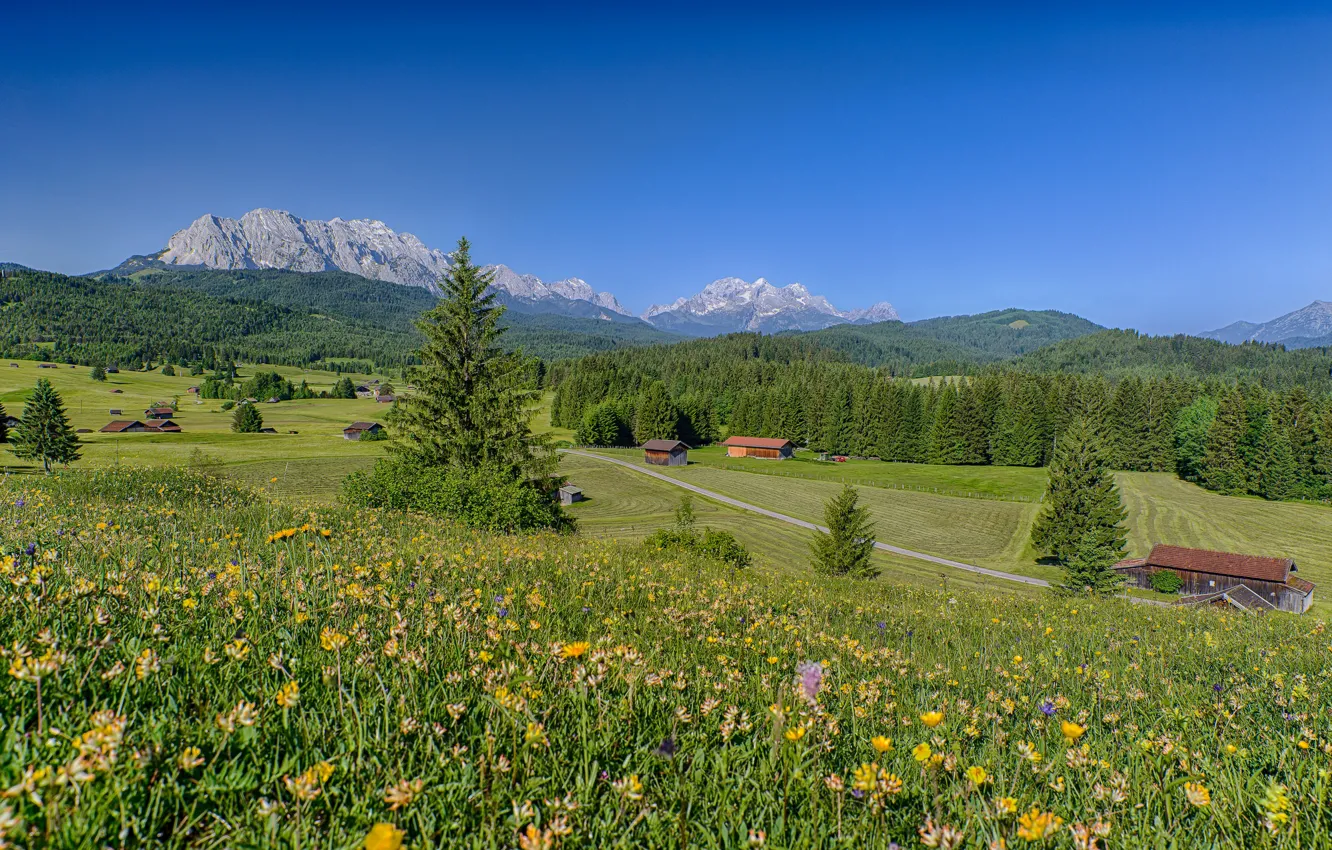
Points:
(666, 452)
(357, 430)
(1249, 582)
(772, 448)
(570, 494)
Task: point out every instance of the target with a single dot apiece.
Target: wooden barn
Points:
(773, 448)
(134, 426)
(666, 453)
(357, 430)
(569, 494)
(159, 413)
(1248, 582)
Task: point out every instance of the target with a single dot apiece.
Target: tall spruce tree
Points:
(656, 417)
(43, 432)
(846, 547)
(473, 401)
(1280, 477)
(247, 419)
(1091, 567)
(1223, 467)
(1080, 500)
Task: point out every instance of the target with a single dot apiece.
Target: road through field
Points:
(920, 556)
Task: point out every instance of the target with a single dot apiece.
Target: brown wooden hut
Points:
(1246, 581)
(666, 452)
(774, 448)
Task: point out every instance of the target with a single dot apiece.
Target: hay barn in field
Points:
(357, 430)
(1249, 582)
(666, 453)
(772, 448)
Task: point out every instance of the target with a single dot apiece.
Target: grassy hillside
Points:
(252, 675)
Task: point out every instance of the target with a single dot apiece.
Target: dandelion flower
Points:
(1071, 730)
(1197, 794)
(882, 744)
(977, 775)
(384, 836)
(574, 650)
(922, 752)
(932, 718)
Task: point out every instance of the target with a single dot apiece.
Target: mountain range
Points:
(1304, 328)
(275, 239)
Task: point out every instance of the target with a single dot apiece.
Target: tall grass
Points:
(193, 666)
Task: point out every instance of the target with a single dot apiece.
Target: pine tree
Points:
(1280, 476)
(1081, 499)
(247, 419)
(471, 407)
(1192, 428)
(846, 547)
(43, 432)
(98, 373)
(1222, 466)
(1091, 567)
(1322, 462)
(656, 417)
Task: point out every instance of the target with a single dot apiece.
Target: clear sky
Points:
(1160, 166)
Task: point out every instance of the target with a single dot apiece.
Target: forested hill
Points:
(1116, 353)
(80, 320)
(394, 307)
(952, 344)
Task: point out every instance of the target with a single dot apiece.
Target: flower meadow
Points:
(193, 665)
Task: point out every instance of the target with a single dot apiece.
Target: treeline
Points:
(1229, 437)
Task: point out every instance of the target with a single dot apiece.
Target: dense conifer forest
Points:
(1231, 436)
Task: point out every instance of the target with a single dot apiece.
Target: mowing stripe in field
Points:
(920, 556)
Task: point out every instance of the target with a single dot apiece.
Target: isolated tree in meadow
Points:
(247, 419)
(344, 388)
(43, 432)
(845, 548)
(1081, 499)
(98, 373)
(1091, 567)
(472, 404)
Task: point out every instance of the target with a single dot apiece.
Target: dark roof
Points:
(161, 425)
(1240, 596)
(362, 426)
(569, 488)
(758, 442)
(1305, 587)
(163, 410)
(1220, 563)
(1131, 563)
(664, 445)
(120, 425)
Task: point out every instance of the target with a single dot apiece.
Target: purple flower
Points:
(499, 599)
(857, 793)
(1217, 687)
(667, 747)
(20, 503)
(810, 679)
(1047, 708)
(31, 550)
(882, 625)
(587, 610)
(503, 612)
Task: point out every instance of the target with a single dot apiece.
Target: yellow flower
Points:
(1231, 749)
(1036, 825)
(882, 744)
(289, 695)
(932, 718)
(795, 733)
(189, 758)
(865, 777)
(1071, 730)
(1005, 806)
(977, 775)
(922, 752)
(332, 639)
(384, 836)
(772, 659)
(1197, 794)
(575, 650)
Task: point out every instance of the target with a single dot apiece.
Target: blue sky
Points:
(1160, 166)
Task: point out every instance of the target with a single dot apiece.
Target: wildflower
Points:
(535, 736)
(943, 837)
(189, 758)
(1036, 825)
(757, 838)
(533, 838)
(795, 733)
(237, 650)
(384, 836)
(289, 695)
(146, 664)
(882, 744)
(1005, 806)
(403, 793)
(932, 718)
(1276, 808)
(922, 752)
(977, 775)
(1071, 730)
(809, 679)
(574, 650)
(1085, 835)
(667, 747)
(1197, 794)
(629, 787)
(332, 640)
(1047, 708)
(865, 777)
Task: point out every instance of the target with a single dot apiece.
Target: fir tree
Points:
(1192, 427)
(1223, 468)
(1091, 567)
(656, 417)
(98, 373)
(472, 402)
(247, 419)
(1280, 477)
(43, 432)
(1081, 499)
(846, 547)
(1323, 452)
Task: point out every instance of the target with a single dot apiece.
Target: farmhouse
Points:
(357, 430)
(386, 399)
(666, 453)
(774, 448)
(570, 494)
(134, 426)
(159, 413)
(1249, 582)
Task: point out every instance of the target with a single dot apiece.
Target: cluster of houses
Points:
(156, 420)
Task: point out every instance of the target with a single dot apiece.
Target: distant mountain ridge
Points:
(1306, 327)
(279, 240)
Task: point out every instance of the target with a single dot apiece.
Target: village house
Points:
(666, 453)
(357, 430)
(1248, 582)
(773, 448)
(159, 413)
(134, 426)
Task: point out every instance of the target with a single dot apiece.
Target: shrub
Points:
(722, 546)
(482, 498)
(228, 404)
(247, 420)
(1166, 581)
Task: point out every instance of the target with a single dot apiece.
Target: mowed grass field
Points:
(309, 464)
